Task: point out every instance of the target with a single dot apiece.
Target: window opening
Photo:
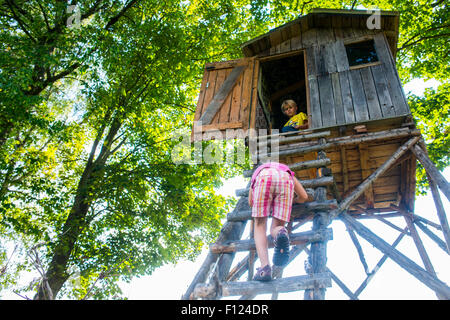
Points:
(282, 79)
(361, 53)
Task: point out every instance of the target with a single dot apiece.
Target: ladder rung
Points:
(313, 183)
(298, 210)
(239, 288)
(263, 141)
(299, 166)
(294, 239)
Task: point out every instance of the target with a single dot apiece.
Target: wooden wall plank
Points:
(371, 94)
(316, 116)
(338, 105)
(358, 96)
(326, 100)
(386, 106)
(347, 100)
(394, 85)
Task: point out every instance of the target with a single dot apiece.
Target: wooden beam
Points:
(365, 172)
(422, 275)
(298, 166)
(345, 203)
(378, 265)
(298, 210)
(312, 183)
(433, 172)
(347, 140)
(289, 284)
(245, 245)
(421, 249)
(436, 178)
(221, 95)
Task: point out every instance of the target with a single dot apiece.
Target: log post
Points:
(318, 256)
(422, 275)
(436, 178)
(432, 171)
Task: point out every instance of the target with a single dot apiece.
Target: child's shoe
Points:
(281, 252)
(263, 274)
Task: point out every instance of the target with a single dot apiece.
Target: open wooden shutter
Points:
(225, 98)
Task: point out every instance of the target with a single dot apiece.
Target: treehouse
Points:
(342, 75)
(358, 153)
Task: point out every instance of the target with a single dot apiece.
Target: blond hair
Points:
(288, 102)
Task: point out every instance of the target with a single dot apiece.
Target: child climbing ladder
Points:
(272, 187)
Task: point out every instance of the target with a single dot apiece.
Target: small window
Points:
(361, 53)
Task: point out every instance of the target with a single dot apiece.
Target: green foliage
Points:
(433, 114)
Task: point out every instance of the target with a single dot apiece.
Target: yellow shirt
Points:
(297, 120)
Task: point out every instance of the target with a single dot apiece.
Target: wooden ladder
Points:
(214, 280)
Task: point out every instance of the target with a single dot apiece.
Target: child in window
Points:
(296, 121)
(272, 187)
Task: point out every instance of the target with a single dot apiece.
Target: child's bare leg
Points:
(276, 226)
(260, 237)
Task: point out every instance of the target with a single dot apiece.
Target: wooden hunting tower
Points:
(359, 153)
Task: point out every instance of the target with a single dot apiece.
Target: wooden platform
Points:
(352, 163)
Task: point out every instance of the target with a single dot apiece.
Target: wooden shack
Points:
(342, 75)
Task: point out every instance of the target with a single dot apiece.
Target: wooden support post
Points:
(435, 178)
(432, 171)
(378, 265)
(345, 203)
(421, 249)
(318, 256)
(249, 288)
(422, 275)
(358, 248)
(230, 230)
(365, 172)
(441, 213)
(432, 236)
(344, 169)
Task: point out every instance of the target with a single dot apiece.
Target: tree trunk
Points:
(56, 274)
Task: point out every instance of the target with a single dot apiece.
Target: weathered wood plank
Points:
(313, 183)
(239, 288)
(221, 95)
(298, 210)
(294, 239)
(386, 106)
(358, 96)
(394, 85)
(347, 100)
(406, 263)
(371, 94)
(337, 95)
(326, 100)
(316, 115)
